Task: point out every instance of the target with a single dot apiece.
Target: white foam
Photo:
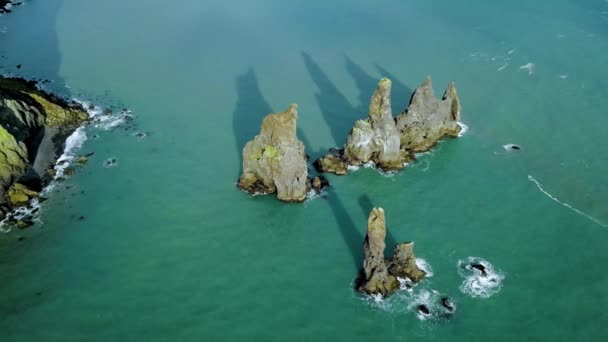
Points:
(425, 266)
(463, 129)
(476, 284)
(563, 76)
(352, 167)
(511, 147)
(530, 67)
(503, 67)
(512, 51)
(555, 199)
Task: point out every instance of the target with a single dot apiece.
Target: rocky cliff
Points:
(390, 143)
(275, 161)
(380, 276)
(33, 129)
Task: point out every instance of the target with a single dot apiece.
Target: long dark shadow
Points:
(401, 93)
(352, 238)
(367, 205)
(338, 113)
(251, 108)
(365, 83)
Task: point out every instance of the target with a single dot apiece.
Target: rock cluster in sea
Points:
(390, 143)
(275, 161)
(380, 276)
(33, 128)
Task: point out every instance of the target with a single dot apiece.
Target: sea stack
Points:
(428, 119)
(33, 128)
(275, 161)
(375, 139)
(390, 143)
(380, 276)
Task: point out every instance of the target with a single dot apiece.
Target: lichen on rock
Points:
(275, 161)
(380, 276)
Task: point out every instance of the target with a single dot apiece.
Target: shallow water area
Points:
(165, 247)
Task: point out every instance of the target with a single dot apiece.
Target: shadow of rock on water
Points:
(352, 237)
(401, 93)
(251, 108)
(367, 205)
(365, 83)
(338, 113)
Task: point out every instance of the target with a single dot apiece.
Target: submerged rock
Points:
(375, 139)
(428, 119)
(275, 161)
(380, 276)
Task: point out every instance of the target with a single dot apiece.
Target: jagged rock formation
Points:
(33, 129)
(391, 143)
(274, 161)
(428, 119)
(374, 139)
(380, 276)
(403, 264)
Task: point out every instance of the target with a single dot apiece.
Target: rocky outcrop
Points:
(33, 129)
(275, 161)
(428, 119)
(380, 276)
(375, 139)
(390, 143)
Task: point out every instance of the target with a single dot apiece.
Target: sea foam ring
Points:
(481, 279)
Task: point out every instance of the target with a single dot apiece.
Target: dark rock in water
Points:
(18, 66)
(331, 163)
(21, 238)
(511, 147)
(24, 223)
(481, 268)
(447, 304)
(110, 162)
(423, 309)
(319, 183)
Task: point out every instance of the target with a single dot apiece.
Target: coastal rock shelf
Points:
(275, 161)
(380, 276)
(33, 128)
(390, 143)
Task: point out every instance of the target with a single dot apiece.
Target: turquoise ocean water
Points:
(170, 250)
